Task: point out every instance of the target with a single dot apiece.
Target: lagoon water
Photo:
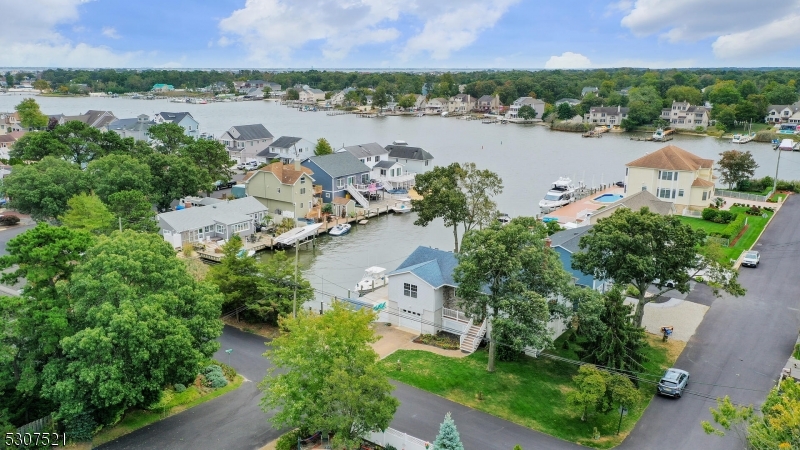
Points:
(527, 157)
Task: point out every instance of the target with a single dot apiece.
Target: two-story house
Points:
(339, 175)
(369, 154)
(414, 159)
(686, 116)
(218, 220)
(535, 103)
(184, 119)
(461, 104)
(9, 122)
(7, 141)
(338, 98)
(436, 105)
(606, 115)
(136, 127)
(311, 95)
(489, 104)
(783, 113)
(673, 175)
(244, 142)
(161, 87)
(284, 189)
(288, 149)
(93, 118)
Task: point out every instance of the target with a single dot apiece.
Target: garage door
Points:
(410, 319)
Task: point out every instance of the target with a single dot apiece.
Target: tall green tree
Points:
(725, 116)
(292, 94)
(380, 98)
(117, 173)
(644, 104)
(527, 112)
(134, 209)
(169, 137)
(323, 147)
(173, 177)
(479, 187)
(590, 390)
(211, 158)
(441, 198)
(646, 249)
(724, 93)
(35, 146)
(341, 389)
(43, 189)
(735, 167)
(621, 344)
(685, 94)
(564, 111)
(30, 116)
(407, 101)
(782, 94)
(88, 213)
(448, 438)
(141, 321)
(276, 290)
(235, 277)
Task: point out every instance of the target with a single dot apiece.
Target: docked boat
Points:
(374, 278)
(339, 230)
(402, 206)
(562, 193)
(504, 219)
(787, 145)
(659, 135)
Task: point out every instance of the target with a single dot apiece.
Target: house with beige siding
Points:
(284, 189)
(673, 175)
(682, 115)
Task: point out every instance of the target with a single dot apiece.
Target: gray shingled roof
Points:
(430, 264)
(174, 117)
(267, 154)
(231, 212)
(252, 132)
(285, 142)
(569, 239)
(407, 152)
(339, 164)
(386, 164)
(364, 150)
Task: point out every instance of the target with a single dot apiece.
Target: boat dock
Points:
(651, 139)
(577, 213)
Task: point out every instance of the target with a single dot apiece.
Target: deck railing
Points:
(455, 315)
(464, 334)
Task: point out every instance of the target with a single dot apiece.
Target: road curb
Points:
(738, 263)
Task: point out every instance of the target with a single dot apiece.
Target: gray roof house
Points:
(589, 89)
(569, 101)
(339, 173)
(214, 222)
(287, 148)
(415, 159)
(369, 154)
(184, 119)
(245, 142)
(134, 127)
(93, 118)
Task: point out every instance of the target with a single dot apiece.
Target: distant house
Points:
(7, 142)
(535, 103)
(420, 102)
(9, 122)
(569, 101)
(625, 91)
(190, 126)
(93, 118)
(244, 142)
(783, 113)
(394, 173)
(685, 116)
(136, 127)
(161, 87)
(673, 175)
(288, 149)
(566, 243)
(606, 115)
(488, 104)
(589, 89)
(369, 154)
(461, 104)
(338, 174)
(635, 202)
(414, 159)
(220, 220)
(339, 97)
(436, 105)
(311, 95)
(284, 189)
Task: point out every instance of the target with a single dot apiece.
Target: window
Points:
(364, 178)
(340, 183)
(302, 190)
(664, 193)
(351, 180)
(220, 228)
(644, 187)
(239, 227)
(705, 195)
(667, 175)
(410, 290)
(302, 180)
(369, 159)
(680, 192)
(426, 162)
(377, 158)
(327, 195)
(279, 190)
(301, 205)
(383, 172)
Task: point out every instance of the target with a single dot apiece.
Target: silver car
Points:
(751, 259)
(673, 382)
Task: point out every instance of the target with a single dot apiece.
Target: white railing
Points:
(478, 337)
(691, 213)
(396, 439)
(742, 195)
(455, 314)
(357, 196)
(464, 333)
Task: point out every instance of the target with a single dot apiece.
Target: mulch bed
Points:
(741, 233)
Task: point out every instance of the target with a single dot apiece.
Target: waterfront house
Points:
(682, 115)
(338, 98)
(436, 105)
(369, 154)
(161, 87)
(9, 122)
(635, 201)
(783, 113)
(93, 118)
(569, 101)
(535, 103)
(414, 159)
(284, 189)
(338, 174)
(244, 142)
(393, 175)
(420, 102)
(489, 104)
(184, 119)
(566, 243)
(288, 149)
(606, 115)
(217, 221)
(310, 95)
(461, 104)
(625, 91)
(7, 141)
(673, 175)
(136, 127)
(589, 89)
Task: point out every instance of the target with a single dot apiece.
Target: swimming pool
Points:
(608, 198)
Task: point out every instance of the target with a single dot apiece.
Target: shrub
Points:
(215, 378)
(632, 291)
(230, 372)
(710, 214)
(733, 228)
(754, 211)
(187, 249)
(179, 387)
(80, 427)
(9, 220)
(288, 441)
(725, 216)
(796, 351)
(390, 447)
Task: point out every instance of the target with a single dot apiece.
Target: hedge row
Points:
(733, 228)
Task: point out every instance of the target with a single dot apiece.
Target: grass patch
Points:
(171, 403)
(531, 392)
(778, 197)
(755, 224)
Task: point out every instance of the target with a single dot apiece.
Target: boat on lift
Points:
(374, 278)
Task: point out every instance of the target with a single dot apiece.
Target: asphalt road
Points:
(10, 233)
(739, 348)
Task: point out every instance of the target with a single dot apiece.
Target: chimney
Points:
(297, 164)
(548, 242)
(619, 108)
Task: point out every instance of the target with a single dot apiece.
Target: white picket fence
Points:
(397, 439)
(742, 195)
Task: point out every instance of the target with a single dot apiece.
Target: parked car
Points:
(249, 165)
(751, 259)
(673, 382)
(219, 185)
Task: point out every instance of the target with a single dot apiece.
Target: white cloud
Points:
(568, 60)
(111, 32)
(752, 25)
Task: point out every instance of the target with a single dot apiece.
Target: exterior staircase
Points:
(357, 196)
(473, 337)
(387, 185)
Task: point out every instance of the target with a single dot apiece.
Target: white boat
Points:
(658, 135)
(562, 193)
(504, 219)
(374, 278)
(786, 144)
(402, 206)
(296, 235)
(339, 230)
(444, 114)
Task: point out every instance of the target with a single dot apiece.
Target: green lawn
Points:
(531, 392)
(755, 224)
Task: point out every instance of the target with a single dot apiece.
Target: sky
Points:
(400, 34)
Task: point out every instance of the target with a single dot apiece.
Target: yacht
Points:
(339, 230)
(402, 206)
(374, 278)
(562, 193)
(658, 135)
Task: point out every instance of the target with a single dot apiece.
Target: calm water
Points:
(527, 157)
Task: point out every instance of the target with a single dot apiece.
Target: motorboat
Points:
(504, 219)
(658, 135)
(402, 206)
(562, 193)
(374, 278)
(339, 230)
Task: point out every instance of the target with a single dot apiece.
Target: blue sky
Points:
(401, 33)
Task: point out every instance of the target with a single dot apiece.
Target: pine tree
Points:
(622, 344)
(448, 438)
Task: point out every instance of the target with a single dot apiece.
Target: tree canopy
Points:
(527, 112)
(88, 213)
(323, 147)
(619, 344)
(43, 189)
(736, 166)
(30, 116)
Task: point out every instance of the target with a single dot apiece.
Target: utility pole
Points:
(775, 182)
(296, 258)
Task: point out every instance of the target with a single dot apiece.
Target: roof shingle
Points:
(672, 158)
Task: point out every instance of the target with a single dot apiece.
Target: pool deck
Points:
(575, 212)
